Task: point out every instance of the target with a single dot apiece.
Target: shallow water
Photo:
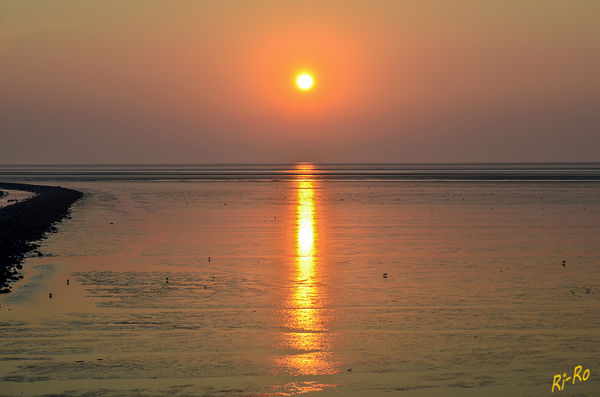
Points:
(293, 299)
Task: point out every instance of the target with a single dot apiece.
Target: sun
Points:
(304, 81)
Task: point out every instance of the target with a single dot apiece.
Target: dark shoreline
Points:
(25, 222)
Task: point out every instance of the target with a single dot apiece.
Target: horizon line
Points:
(165, 164)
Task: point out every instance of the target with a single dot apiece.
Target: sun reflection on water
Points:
(307, 339)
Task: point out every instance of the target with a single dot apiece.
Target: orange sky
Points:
(200, 82)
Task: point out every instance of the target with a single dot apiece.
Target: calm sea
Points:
(312, 279)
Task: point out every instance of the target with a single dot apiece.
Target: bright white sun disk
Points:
(304, 81)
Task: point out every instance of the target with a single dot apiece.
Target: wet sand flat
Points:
(293, 300)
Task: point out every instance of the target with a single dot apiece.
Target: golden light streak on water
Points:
(307, 339)
(306, 290)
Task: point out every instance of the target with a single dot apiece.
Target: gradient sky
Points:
(395, 81)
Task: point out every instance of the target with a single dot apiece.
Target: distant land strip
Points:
(25, 222)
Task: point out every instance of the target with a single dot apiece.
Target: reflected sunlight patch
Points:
(306, 351)
(295, 388)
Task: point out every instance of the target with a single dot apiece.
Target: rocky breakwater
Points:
(24, 223)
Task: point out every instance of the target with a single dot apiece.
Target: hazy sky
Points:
(213, 81)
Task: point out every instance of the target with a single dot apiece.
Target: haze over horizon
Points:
(189, 82)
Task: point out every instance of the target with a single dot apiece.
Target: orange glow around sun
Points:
(278, 67)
